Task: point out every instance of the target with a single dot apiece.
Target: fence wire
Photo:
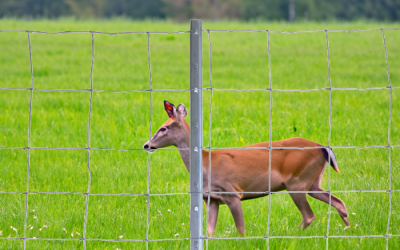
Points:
(29, 141)
(211, 89)
(149, 157)
(270, 141)
(89, 170)
(390, 158)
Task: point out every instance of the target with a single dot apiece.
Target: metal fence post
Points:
(196, 136)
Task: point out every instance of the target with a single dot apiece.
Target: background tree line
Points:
(180, 10)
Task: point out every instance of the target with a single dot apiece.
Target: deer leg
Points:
(335, 202)
(235, 206)
(212, 216)
(302, 204)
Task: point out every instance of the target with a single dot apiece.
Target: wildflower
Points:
(356, 226)
(121, 237)
(31, 228)
(1, 232)
(64, 230)
(183, 224)
(44, 226)
(176, 235)
(33, 211)
(353, 213)
(159, 212)
(169, 210)
(72, 234)
(77, 233)
(34, 237)
(35, 217)
(40, 229)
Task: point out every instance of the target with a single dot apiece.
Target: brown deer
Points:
(235, 170)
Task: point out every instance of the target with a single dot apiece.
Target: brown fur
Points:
(247, 170)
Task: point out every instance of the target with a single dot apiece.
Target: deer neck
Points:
(185, 143)
(185, 154)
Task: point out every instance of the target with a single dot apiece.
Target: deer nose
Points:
(146, 145)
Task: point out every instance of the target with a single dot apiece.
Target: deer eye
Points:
(163, 129)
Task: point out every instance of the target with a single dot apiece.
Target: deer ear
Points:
(170, 108)
(182, 112)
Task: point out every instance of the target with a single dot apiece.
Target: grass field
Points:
(122, 121)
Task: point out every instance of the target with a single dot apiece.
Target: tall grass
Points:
(122, 121)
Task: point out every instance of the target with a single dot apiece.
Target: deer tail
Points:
(328, 154)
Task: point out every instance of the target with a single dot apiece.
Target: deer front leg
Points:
(235, 206)
(212, 216)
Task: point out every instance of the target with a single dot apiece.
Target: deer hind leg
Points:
(335, 202)
(302, 204)
(235, 206)
(212, 216)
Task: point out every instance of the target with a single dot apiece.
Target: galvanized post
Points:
(196, 136)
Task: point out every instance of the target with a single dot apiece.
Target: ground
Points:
(122, 121)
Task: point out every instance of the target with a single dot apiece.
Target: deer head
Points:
(174, 132)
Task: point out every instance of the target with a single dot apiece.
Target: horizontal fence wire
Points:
(188, 31)
(186, 193)
(211, 88)
(206, 238)
(184, 90)
(181, 149)
(97, 32)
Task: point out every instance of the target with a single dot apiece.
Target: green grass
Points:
(122, 120)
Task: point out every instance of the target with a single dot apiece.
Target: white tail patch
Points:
(330, 155)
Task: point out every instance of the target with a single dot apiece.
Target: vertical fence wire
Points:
(270, 138)
(149, 152)
(88, 148)
(209, 136)
(29, 142)
(329, 139)
(389, 147)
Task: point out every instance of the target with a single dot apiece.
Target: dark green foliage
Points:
(86, 8)
(323, 10)
(387, 10)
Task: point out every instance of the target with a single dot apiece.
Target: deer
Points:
(236, 173)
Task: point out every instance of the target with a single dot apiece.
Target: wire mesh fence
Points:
(150, 90)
